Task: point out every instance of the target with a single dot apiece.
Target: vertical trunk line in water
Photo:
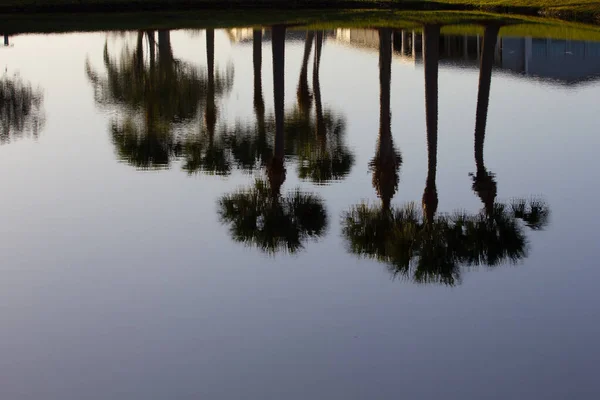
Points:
(385, 165)
(385, 77)
(303, 93)
(484, 183)
(483, 94)
(259, 104)
(211, 112)
(165, 52)
(277, 169)
(431, 50)
(278, 46)
(317, 86)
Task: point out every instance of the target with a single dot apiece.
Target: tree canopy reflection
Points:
(261, 215)
(422, 245)
(168, 109)
(21, 112)
(319, 143)
(206, 151)
(157, 97)
(270, 221)
(251, 143)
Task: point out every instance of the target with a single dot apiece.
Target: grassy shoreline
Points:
(392, 14)
(452, 22)
(572, 10)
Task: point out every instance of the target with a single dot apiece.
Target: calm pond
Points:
(292, 214)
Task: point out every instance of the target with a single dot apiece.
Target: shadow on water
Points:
(167, 110)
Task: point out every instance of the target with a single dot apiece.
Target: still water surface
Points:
(346, 214)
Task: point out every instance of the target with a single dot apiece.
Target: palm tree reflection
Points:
(207, 151)
(367, 227)
(157, 98)
(484, 183)
(21, 111)
(386, 163)
(427, 247)
(250, 144)
(261, 215)
(322, 153)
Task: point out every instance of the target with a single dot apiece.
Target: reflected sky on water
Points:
(292, 214)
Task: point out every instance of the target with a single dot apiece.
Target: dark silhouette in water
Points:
(387, 160)
(319, 143)
(21, 113)
(534, 213)
(259, 102)
(276, 169)
(431, 54)
(154, 95)
(151, 98)
(249, 143)
(317, 140)
(261, 215)
(207, 151)
(426, 247)
(484, 183)
(303, 94)
(367, 227)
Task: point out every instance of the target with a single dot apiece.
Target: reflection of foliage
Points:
(321, 158)
(20, 109)
(366, 230)
(167, 88)
(492, 238)
(206, 153)
(535, 213)
(385, 166)
(143, 148)
(319, 145)
(425, 250)
(485, 186)
(317, 141)
(251, 146)
(414, 249)
(162, 95)
(273, 223)
(386, 163)
(157, 90)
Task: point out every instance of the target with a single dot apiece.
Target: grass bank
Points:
(574, 10)
(453, 22)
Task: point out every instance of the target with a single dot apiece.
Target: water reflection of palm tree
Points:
(499, 217)
(387, 160)
(152, 98)
(20, 109)
(276, 168)
(425, 247)
(484, 183)
(303, 92)
(249, 143)
(298, 122)
(207, 150)
(322, 153)
(367, 227)
(494, 232)
(431, 53)
(261, 215)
